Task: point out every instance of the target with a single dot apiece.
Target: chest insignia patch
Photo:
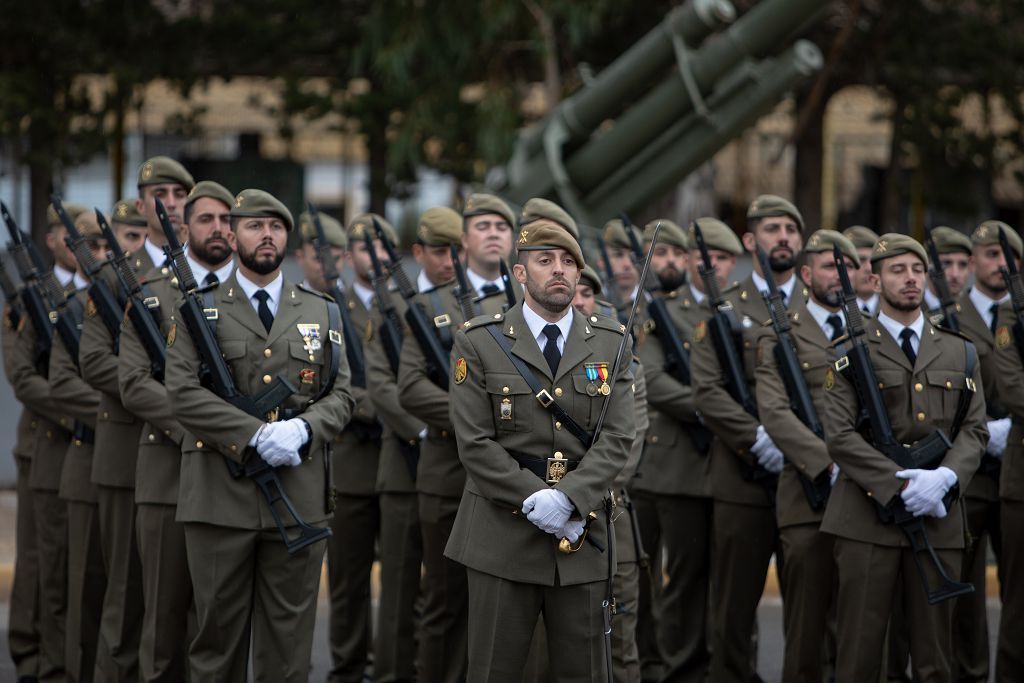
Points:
(307, 375)
(1002, 337)
(830, 379)
(460, 371)
(90, 307)
(171, 334)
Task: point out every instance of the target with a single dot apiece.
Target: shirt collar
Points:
(478, 282)
(894, 328)
(200, 272)
(80, 282)
(698, 296)
(931, 301)
(423, 283)
(156, 254)
(762, 285)
(273, 288)
(364, 293)
(983, 302)
(63, 275)
(821, 314)
(871, 303)
(537, 323)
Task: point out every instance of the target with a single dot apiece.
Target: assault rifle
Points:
(1011, 275)
(390, 326)
(506, 282)
(926, 454)
(33, 295)
(609, 274)
(937, 274)
(216, 375)
(11, 297)
(463, 290)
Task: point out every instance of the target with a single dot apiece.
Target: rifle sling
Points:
(541, 394)
(334, 357)
(444, 331)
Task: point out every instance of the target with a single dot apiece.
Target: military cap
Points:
(333, 231)
(615, 234)
(717, 235)
(364, 221)
(124, 212)
(439, 227)
(947, 240)
(208, 188)
(766, 205)
(72, 209)
(537, 208)
(261, 204)
(988, 233)
(88, 225)
(480, 203)
(670, 233)
(545, 234)
(158, 170)
(862, 237)
(589, 277)
(824, 240)
(894, 244)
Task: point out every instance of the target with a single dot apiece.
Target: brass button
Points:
(267, 353)
(918, 387)
(881, 385)
(234, 448)
(949, 385)
(803, 466)
(870, 495)
(167, 432)
(105, 415)
(558, 454)
(497, 316)
(558, 425)
(266, 379)
(62, 421)
(593, 318)
(504, 390)
(686, 345)
(49, 434)
(805, 366)
(78, 442)
(36, 424)
(152, 437)
(746, 344)
(164, 270)
(444, 434)
(312, 357)
(654, 439)
(921, 417)
(558, 391)
(199, 444)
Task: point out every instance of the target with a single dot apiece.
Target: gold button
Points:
(504, 390)
(152, 437)
(746, 344)
(881, 385)
(234, 448)
(593, 318)
(558, 391)
(949, 385)
(654, 439)
(444, 434)
(558, 454)
(167, 432)
(164, 270)
(267, 353)
(870, 495)
(805, 366)
(497, 316)
(199, 444)
(558, 425)
(105, 415)
(62, 421)
(803, 466)
(36, 424)
(918, 387)
(78, 442)
(312, 357)
(921, 417)
(686, 345)
(266, 379)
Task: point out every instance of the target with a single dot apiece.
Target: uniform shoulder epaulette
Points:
(840, 340)
(310, 290)
(155, 275)
(482, 320)
(606, 323)
(952, 332)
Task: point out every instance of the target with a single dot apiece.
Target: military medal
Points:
(310, 335)
(602, 374)
(558, 466)
(506, 409)
(307, 375)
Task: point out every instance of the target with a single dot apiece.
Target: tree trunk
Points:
(117, 142)
(891, 199)
(808, 166)
(377, 162)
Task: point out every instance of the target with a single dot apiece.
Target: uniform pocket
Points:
(305, 367)
(950, 385)
(510, 402)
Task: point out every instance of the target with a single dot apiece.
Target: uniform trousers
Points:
(503, 616)
(970, 616)
(87, 581)
(745, 536)
(1010, 650)
(871, 578)
(809, 583)
(117, 658)
(350, 555)
(626, 589)
(401, 554)
(51, 517)
(442, 651)
(249, 589)
(23, 618)
(167, 594)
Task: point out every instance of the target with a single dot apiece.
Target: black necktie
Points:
(785, 298)
(837, 326)
(266, 317)
(490, 288)
(212, 279)
(551, 353)
(994, 310)
(908, 349)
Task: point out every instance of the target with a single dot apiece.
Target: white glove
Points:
(768, 454)
(761, 440)
(998, 430)
(280, 442)
(833, 475)
(548, 509)
(923, 495)
(571, 531)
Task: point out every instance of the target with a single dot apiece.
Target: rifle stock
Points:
(463, 290)
(33, 298)
(390, 326)
(937, 274)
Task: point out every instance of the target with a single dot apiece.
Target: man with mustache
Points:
(922, 373)
(864, 239)
(954, 249)
(620, 256)
(531, 480)
(166, 583)
(744, 462)
(248, 588)
(440, 478)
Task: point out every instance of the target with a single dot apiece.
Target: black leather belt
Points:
(551, 470)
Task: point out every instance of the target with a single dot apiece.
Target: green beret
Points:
(862, 237)
(261, 204)
(545, 234)
(947, 240)
(364, 222)
(670, 233)
(479, 204)
(824, 240)
(768, 205)
(333, 231)
(615, 234)
(440, 227)
(72, 209)
(537, 208)
(717, 235)
(124, 212)
(589, 277)
(159, 170)
(988, 233)
(208, 188)
(894, 244)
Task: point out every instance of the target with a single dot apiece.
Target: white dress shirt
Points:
(478, 282)
(156, 254)
(821, 314)
(273, 289)
(200, 272)
(870, 305)
(896, 328)
(63, 275)
(364, 293)
(787, 287)
(984, 304)
(537, 324)
(423, 283)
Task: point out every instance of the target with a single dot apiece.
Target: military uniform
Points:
(515, 569)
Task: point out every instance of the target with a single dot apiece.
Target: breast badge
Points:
(595, 372)
(460, 371)
(1002, 337)
(506, 410)
(830, 380)
(307, 375)
(310, 335)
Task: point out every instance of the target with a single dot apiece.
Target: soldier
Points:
(511, 518)
(955, 251)
(744, 460)
(671, 489)
(439, 476)
(167, 586)
(544, 209)
(863, 239)
(925, 369)
(31, 386)
(487, 239)
(117, 440)
(588, 289)
(128, 224)
(620, 256)
(809, 571)
(245, 582)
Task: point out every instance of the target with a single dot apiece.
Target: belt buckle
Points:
(273, 414)
(558, 467)
(842, 363)
(151, 302)
(442, 320)
(544, 397)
